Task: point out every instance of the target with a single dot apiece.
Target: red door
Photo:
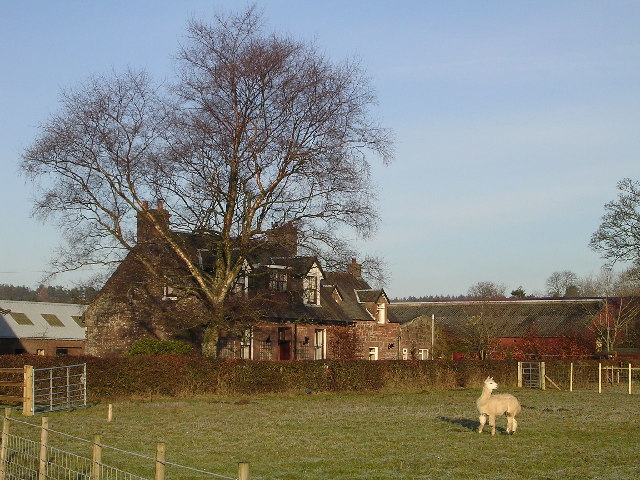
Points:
(284, 343)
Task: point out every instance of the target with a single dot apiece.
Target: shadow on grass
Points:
(463, 422)
(472, 425)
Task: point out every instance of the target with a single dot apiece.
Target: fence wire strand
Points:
(22, 461)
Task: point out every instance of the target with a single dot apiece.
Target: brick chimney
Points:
(147, 231)
(355, 269)
(286, 237)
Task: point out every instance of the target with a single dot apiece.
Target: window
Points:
(40, 351)
(278, 281)
(265, 350)
(78, 320)
(319, 343)
(52, 320)
(241, 285)
(423, 354)
(405, 354)
(311, 290)
(62, 351)
(373, 353)
(245, 344)
(169, 293)
(20, 318)
(381, 314)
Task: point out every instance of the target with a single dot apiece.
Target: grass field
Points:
(429, 435)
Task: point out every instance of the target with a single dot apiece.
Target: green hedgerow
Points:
(153, 346)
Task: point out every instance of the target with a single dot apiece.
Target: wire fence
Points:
(24, 456)
(609, 377)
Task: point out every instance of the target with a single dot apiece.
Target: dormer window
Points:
(311, 294)
(335, 294)
(381, 313)
(241, 285)
(278, 281)
(311, 285)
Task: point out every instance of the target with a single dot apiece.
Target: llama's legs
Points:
(509, 424)
(492, 424)
(483, 419)
(514, 426)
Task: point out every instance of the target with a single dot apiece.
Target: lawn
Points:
(428, 435)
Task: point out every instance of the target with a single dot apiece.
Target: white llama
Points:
(493, 406)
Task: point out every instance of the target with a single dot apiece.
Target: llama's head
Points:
(490, 383)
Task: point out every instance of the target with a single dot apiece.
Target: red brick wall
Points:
(386, 337)
(32, 345)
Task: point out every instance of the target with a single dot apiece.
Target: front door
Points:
(284, 343)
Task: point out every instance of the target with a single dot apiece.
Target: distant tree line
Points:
(54, 294)
(560, 284)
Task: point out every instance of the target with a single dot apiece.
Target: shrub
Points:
(153, 346)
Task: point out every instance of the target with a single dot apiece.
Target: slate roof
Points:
(347, 286)
(515, 318)
(43, 320)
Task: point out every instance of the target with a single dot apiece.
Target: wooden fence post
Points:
(44, 437)
(599, 377)
(543, 376)
(97, 458)
(519, 374)
(571, 377)
(27, 403)
(6, 422)
(160, 457)
(243, 471)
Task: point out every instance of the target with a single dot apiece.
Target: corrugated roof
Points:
(515, 318)
(60, 321)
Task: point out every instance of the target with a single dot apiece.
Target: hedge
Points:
(189, 376)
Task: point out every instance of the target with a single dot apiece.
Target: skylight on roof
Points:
(78, 320)
(52, 320)
(20, 318)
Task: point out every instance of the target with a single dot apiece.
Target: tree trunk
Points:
(210, 341)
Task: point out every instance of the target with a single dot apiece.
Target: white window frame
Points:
(381, 313)
(405, 354)
(246, 344)
(373, 353)
(423, 354)
(310, 286)
(320, 344)
(169, 293)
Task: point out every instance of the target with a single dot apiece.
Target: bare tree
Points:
(618, 236)
(617, 323)
(258, 130)
(562, 284)
(480, 330)
(487, 290)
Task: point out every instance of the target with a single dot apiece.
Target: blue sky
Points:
(513, 120)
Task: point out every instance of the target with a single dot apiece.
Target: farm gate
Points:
(46, 389)
(531, 375)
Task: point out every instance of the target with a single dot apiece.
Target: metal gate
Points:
(58, 388)
(531, 375)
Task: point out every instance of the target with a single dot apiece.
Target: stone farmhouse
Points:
(305, 312)
(299, 311)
